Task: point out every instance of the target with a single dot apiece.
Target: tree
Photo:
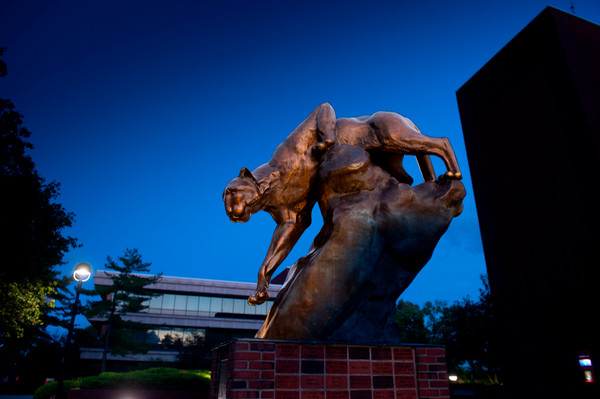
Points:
(194, 352)
(32, 243)
(411, 320)
(127, 294)
(469, 333)
(26, 304)
(466, 328)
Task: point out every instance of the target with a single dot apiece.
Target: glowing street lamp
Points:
(83, 272)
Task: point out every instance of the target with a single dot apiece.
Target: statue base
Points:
(286, 369)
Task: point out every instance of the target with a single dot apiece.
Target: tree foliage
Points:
(32, 222)
(28, 302)
(127, 294)
(466, 328)
(411, 319)
(32, 242)
(193, 350)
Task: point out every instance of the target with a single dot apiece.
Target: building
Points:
(531, 124)
(188, 309)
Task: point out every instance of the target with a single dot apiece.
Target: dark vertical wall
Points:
(531, 121)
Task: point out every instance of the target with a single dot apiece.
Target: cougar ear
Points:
(246, 174)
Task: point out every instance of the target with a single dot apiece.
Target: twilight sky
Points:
(144, 110)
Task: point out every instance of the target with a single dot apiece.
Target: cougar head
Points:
(241, 197)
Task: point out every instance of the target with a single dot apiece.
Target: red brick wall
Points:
(292, 370)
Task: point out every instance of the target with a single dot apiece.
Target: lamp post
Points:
(82, 273)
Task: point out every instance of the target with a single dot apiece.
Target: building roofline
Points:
(158, 320)
(193, 285)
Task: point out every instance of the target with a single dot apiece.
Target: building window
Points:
(228, 305)
(204, 304)
(249, 309)
(216, 305)
(168, 304)
(180, 304)
(194, 305)
(238, 306)
(155, 304)
(174, 337)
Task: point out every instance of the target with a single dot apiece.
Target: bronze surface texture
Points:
(378, 231)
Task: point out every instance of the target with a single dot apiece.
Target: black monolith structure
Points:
(531, 121)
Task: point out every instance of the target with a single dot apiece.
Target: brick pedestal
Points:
(257, 368)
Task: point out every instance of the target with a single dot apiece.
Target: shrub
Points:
(49, 389)
(159, 378)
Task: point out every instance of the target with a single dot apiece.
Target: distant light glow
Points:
(589, 376)
(585, 362)
(453, 378)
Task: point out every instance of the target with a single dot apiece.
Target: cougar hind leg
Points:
(392, 163)
(398, 134)
(438, 146)
(450, 159)
(426, 167)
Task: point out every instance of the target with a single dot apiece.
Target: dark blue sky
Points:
(144, 110)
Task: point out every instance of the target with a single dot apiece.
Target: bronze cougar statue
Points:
(284, 187)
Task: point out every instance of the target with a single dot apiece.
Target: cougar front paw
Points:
(259, 297)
